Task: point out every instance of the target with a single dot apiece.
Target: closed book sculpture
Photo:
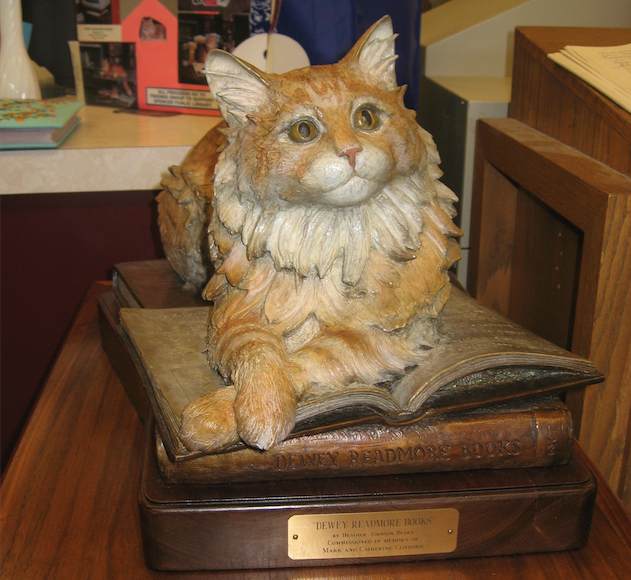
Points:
(531, 434)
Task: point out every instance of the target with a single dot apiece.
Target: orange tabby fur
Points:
(331, 236)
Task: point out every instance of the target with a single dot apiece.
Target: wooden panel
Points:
(545, 270)
(557, 103)
(69, 497)
(605, 418)
(589, 204)
(495, 216)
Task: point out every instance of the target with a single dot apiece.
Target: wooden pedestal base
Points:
(263, 525)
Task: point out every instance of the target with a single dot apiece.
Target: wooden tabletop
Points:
(69, 495)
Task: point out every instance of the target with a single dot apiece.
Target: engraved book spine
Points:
(536, 437)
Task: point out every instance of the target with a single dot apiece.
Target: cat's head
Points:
(331, 135)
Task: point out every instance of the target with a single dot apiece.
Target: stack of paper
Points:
(607, 69)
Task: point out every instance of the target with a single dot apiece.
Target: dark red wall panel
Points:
(53, 247)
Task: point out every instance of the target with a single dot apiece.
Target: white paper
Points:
(607, 69)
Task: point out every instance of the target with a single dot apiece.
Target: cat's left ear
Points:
(375, 55)
(239, 88)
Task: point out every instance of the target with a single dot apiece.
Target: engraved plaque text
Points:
(372, 534)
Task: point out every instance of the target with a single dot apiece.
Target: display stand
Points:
(324, 522)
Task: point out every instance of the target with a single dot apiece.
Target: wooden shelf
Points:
(550, 249)
(551, 246)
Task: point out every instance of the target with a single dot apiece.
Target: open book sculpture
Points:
(321, 232)
(480, 361)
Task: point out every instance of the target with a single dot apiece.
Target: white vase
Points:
(17, 76)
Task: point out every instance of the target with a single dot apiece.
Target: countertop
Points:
(111, 150)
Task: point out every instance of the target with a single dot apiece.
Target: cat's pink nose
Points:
(351, 153)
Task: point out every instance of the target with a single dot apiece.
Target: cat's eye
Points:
(366, 119)
(303, 131)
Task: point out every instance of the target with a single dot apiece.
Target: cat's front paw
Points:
(209, 423)
(265, 406)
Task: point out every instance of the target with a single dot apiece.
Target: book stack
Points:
(36, 123)
(481, 417)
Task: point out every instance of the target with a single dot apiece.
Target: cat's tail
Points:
(184, 210)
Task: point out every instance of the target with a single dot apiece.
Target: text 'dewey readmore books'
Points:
(530, 433)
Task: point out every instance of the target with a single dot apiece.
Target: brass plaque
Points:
(372, 534)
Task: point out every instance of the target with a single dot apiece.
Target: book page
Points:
(171, 344)
(612, 63)
(607, 69)
(475, 339)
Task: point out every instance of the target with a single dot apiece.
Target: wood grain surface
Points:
(69, 497)
(580, 280)
(556, 102)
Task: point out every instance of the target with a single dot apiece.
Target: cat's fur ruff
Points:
(331, 254)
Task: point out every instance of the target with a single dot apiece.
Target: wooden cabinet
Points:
(551, 230)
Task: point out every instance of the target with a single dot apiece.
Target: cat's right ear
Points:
(238, 87)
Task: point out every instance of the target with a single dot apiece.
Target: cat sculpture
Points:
(329, 232)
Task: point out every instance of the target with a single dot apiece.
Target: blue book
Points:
(36, 123)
